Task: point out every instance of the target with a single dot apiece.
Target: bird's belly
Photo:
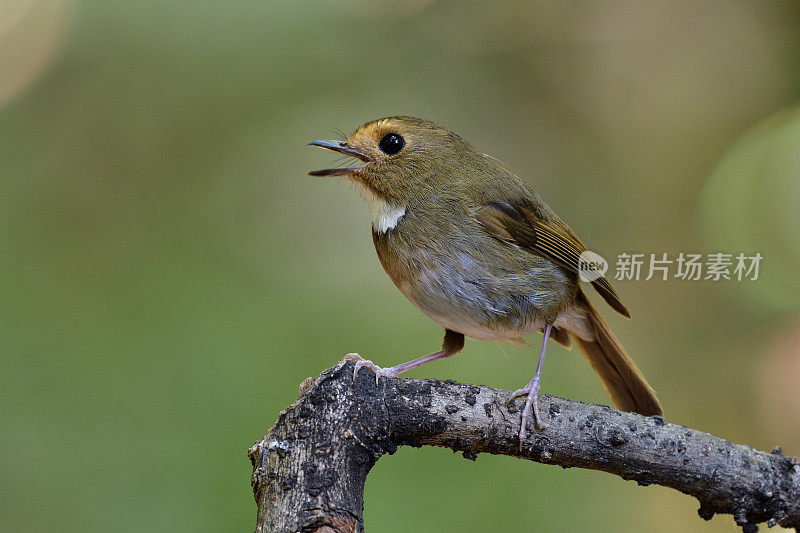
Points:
(473, 284)
(484, 301)
(484, 331)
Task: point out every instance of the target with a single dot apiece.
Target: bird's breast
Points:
(470, 283)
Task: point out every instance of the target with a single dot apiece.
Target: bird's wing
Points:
(517, 222)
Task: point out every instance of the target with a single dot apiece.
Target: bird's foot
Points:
(531, 407)
(379, 371)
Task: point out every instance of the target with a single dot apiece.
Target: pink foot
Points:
(379, 371)
(531, 407)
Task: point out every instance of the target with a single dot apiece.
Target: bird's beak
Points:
(342, 148)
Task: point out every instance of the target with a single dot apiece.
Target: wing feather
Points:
(518, 223)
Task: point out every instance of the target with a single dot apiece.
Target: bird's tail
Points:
(621, 377)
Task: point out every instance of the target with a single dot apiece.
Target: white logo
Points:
(591, 266)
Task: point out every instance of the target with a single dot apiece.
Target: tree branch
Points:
(309, 470)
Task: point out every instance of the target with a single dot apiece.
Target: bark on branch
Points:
(309, 470)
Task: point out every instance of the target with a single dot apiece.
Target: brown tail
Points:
(620, 375)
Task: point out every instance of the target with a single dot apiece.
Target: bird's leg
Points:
(393, 371)
(532, 390)
(452, 344)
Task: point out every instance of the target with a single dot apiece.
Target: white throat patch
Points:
(384, 216)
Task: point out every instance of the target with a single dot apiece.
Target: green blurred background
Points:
(170, 274)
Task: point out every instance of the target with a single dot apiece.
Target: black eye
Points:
(391, 143)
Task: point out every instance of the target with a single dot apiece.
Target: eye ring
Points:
(391, 143)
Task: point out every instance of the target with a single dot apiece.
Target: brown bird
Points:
(478, 251)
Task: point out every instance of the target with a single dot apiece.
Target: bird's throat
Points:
(385, 215)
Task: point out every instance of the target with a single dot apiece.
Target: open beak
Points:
(342, 148)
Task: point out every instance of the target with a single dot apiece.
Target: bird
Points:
(477, 250)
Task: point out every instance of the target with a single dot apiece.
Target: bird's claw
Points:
(516, 394)
(531, 390)
(361, 363)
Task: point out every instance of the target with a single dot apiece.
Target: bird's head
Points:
(402, 159)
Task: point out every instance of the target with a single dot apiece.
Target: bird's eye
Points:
(391, 143)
